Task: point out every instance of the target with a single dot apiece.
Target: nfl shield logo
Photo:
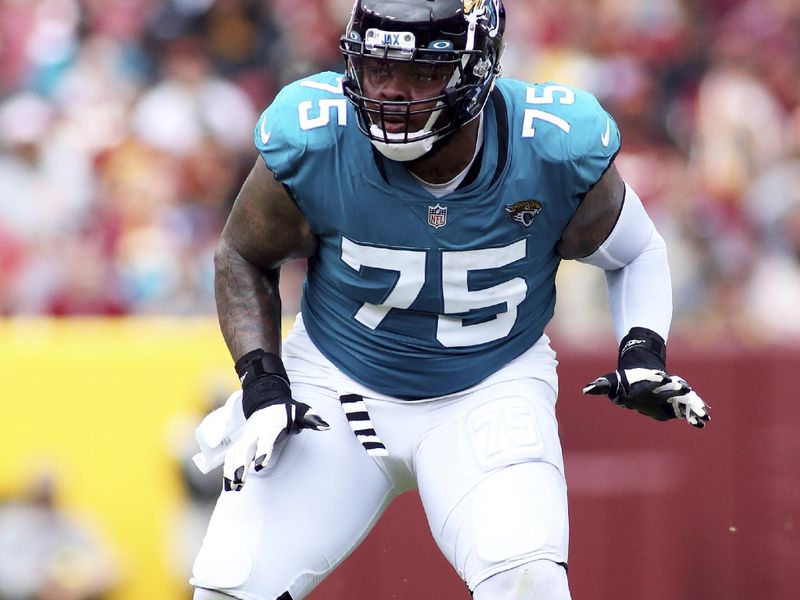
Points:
(437, 216)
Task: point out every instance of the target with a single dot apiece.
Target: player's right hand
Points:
(263, 430)
(271, 413)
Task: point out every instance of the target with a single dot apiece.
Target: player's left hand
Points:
(641, 382)
(652, 393)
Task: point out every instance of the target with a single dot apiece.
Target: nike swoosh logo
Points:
(265, 135)
(605, 138)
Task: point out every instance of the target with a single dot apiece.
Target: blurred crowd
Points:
(126, 131)
(50, 553)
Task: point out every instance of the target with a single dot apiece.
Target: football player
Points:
(434, 202)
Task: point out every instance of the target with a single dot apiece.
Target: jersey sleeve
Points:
(566, 128)
(276, 143)
(594, 143)
(301, 119)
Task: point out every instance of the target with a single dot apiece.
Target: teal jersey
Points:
(416, 296)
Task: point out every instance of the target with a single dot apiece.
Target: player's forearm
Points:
(634, 258)
(248, 303)
(640, 294)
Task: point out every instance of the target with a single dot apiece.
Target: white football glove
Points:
(271, 413)
(263, 431)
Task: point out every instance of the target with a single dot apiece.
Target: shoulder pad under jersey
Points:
(303, 118)
(565, 125)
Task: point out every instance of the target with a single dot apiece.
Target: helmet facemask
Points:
(451, 64)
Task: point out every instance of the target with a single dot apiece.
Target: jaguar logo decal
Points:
(524, 212)
(470, 5)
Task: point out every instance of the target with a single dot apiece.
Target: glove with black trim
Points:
(641, 382)
(271, 412)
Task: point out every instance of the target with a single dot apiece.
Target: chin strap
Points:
(402, 152)
(413, 148)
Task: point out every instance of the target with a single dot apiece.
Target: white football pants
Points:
(486, 461)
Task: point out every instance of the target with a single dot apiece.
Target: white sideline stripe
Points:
(351, 407)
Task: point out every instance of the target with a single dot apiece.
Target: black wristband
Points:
(264, 380)
(258, 363)
(267, 390)
(642, 348)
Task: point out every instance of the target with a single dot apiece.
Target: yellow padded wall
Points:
(96, 401)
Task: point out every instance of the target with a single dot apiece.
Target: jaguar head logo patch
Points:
(524, 212)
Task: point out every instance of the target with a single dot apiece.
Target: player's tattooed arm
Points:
(264, 229)
(595, 218)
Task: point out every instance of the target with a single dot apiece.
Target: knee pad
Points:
(536, 580)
